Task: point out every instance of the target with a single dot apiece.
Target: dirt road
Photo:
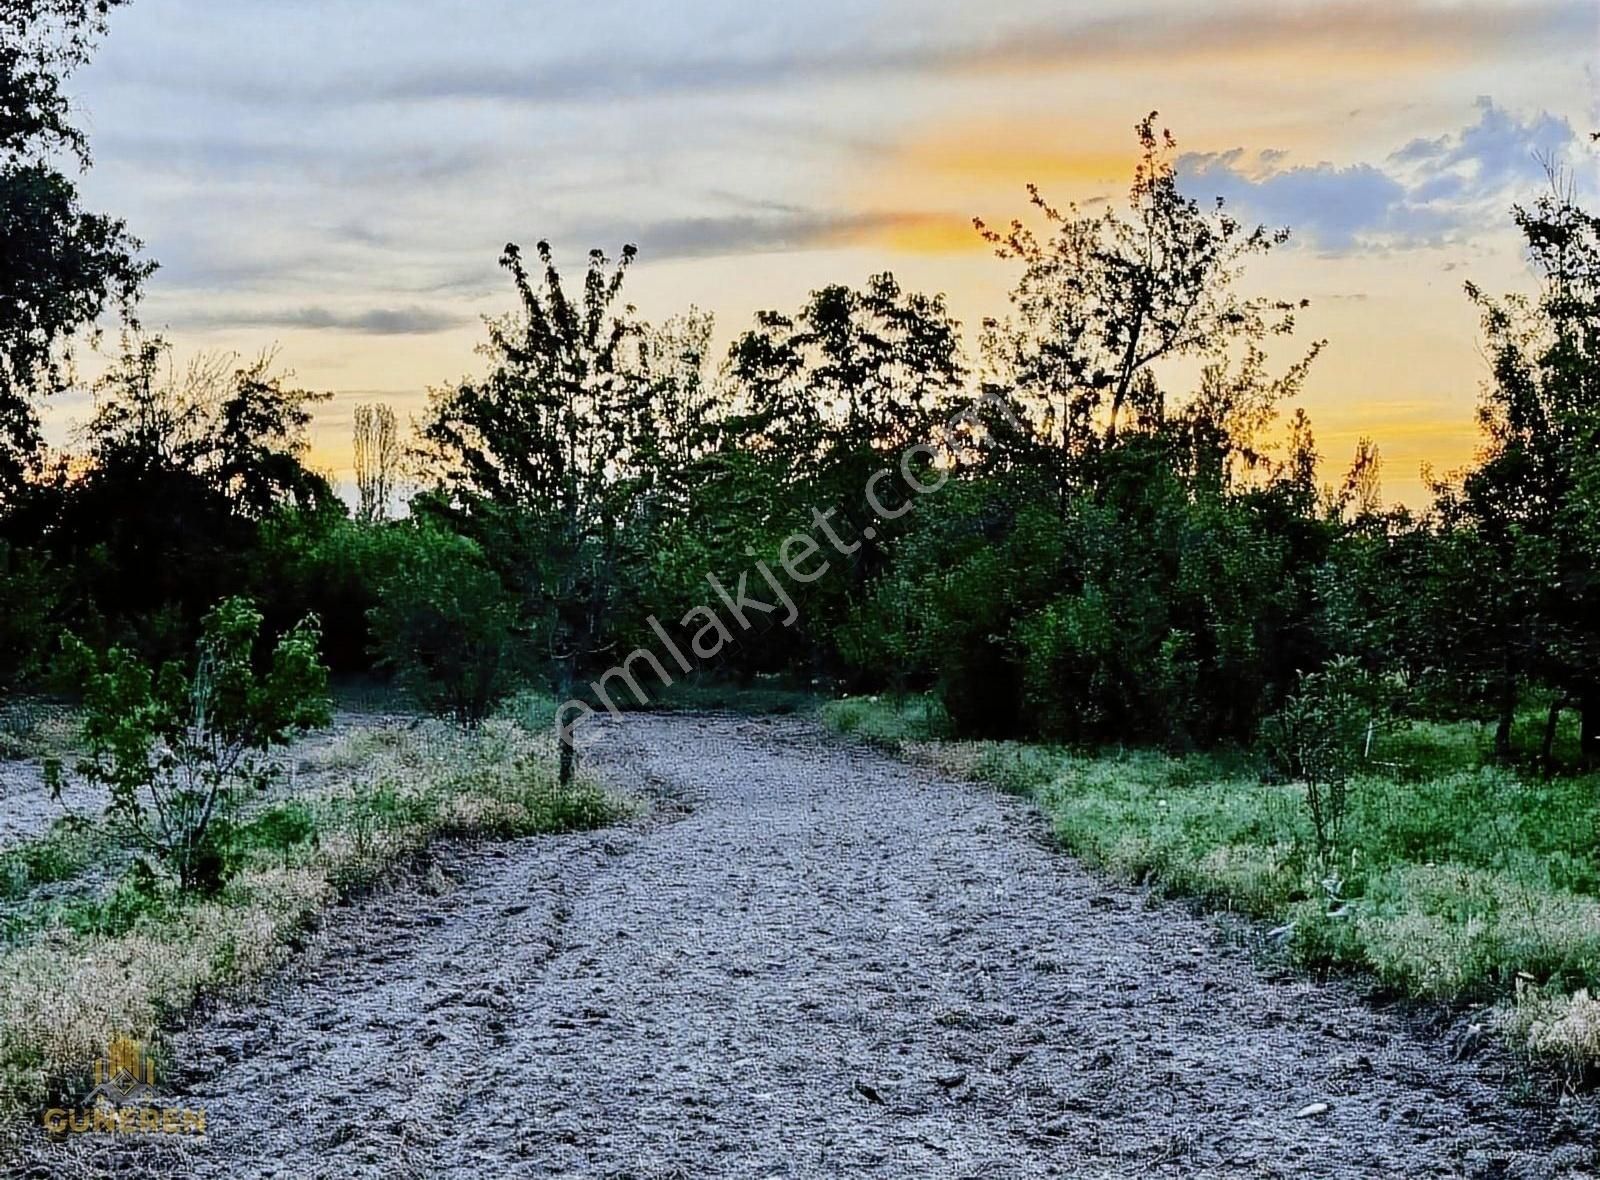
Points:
(814, 961)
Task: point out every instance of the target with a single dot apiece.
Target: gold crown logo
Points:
(125, 1065)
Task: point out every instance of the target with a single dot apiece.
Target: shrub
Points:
(28, 594)
(175, 748)
(444, 626)
(1320, 737)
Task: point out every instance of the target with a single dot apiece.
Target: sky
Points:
(337, 178)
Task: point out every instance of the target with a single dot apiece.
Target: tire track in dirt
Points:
(828, 964)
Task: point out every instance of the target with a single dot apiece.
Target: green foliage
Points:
(131, 956)
(67, 849)
(887, 723)
(324, 563)
(1102, 299)
(138, 896)
(444, 625)
(175, 748)
(1320, 738)
(279, 830)
(855, 371)
(1529, 512)
(187, 468)
(532, 462)
(28, 595)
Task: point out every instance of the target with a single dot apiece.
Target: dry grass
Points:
(64, 997)
(64, 994)
(1562, 1030)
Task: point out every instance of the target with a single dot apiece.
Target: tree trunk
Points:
(1547, 759)
(566, 676)
(1589, 728)
(1508, 713)
(569, 759)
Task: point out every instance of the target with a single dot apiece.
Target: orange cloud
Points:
(908, 233)
(952, 172)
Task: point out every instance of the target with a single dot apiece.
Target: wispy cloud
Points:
(377, 321)
(1498, 150)
(712, 52)
(1411, 30)
(777, 231)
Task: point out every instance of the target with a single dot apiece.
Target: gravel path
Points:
(813, 961)
(26, 808)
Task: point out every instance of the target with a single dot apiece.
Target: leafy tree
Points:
(1322, 736)
(854, 371)
(1530, 506)
(185, 464)
(534, 459)
(60, 266)
(1104, 299)
(1117, 564)
(238, 425)
(177, 748)
(826, 398)
(259, 441)
(685, 407)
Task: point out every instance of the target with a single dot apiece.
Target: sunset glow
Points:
(342, 183)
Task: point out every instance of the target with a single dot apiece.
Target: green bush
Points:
(67, 849)
(445, 626)
(176, 748)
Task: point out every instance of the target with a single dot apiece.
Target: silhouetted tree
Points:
(1103, 299)
(60, 266)
(531, 458)
(1533, 502)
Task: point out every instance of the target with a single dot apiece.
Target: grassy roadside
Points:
(129, 957)
(1454, 879)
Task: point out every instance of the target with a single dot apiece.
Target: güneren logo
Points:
(125, 1100)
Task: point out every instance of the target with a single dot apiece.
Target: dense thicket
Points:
(1090, 521)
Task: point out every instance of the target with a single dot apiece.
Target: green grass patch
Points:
(71, 846)
(885, 721)
(536, 711)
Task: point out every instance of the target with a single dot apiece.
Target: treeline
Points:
(1127, 543)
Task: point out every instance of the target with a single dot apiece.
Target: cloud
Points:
(1498, 150)
(786, 229)
(1411, 30)
(830, 42)
(711, 236)
(1428, 191)
(379, 321)
(1334, 206)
